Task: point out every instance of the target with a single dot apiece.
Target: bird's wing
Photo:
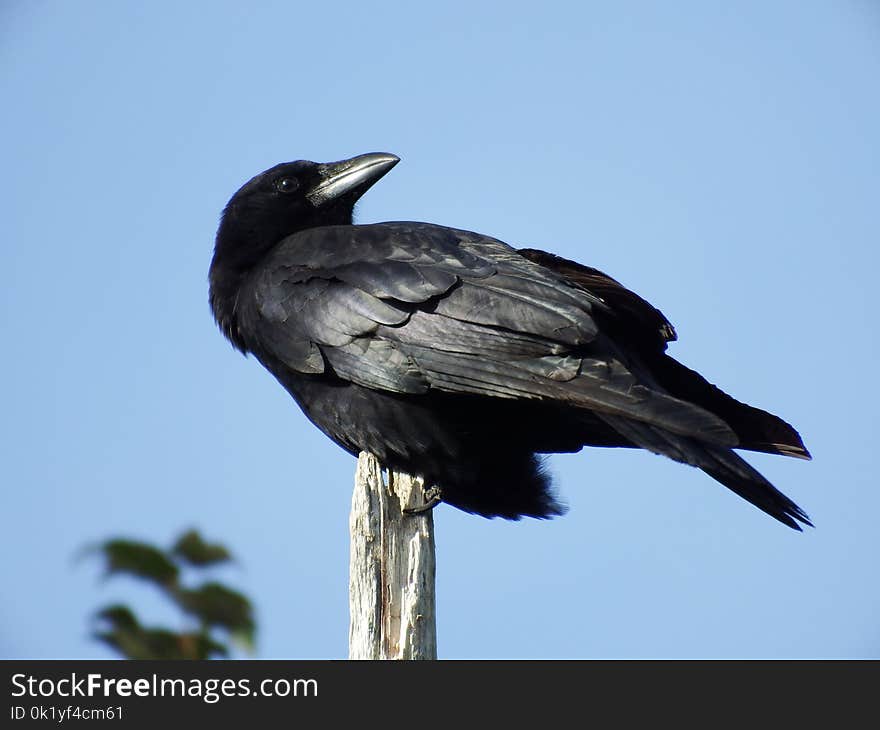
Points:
(636, 319)
(644, 328)
(408, 307)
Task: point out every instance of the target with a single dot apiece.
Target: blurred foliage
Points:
(219, 615)
(216, 605)
(194, 550)
(140, 560)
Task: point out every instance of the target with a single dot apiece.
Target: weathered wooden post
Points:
(391, 582)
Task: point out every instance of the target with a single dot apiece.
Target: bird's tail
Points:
(756, 429)
(719, 462)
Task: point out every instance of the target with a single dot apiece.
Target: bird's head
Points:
(283, 200)
(291, 197)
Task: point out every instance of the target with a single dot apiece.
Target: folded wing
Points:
(409, 307)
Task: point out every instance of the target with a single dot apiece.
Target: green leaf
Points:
(127, 637)
(161, 644)
(195, 551)
(141, 560)
(141, 643)
(216, 605)
(202, 646)
(119, 617)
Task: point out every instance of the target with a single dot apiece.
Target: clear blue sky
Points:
(721, 159)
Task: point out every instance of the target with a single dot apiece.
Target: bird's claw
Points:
(433, 496)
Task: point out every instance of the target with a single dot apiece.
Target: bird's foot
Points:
(433, 497)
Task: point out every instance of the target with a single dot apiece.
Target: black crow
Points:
(452, 356)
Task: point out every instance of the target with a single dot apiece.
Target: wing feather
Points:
(406, 307)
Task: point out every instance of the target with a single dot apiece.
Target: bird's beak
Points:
(350, 177)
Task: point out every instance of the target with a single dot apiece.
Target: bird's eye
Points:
(286, 184)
